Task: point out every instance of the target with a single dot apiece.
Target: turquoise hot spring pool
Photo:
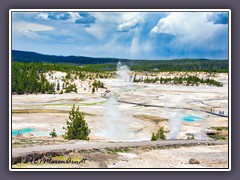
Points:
(25, 131)
(191, 118)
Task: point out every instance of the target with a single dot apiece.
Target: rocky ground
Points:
(202, 156)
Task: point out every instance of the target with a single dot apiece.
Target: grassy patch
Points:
(23, 140)
(26, 111)
(116, 151)
(64, 158)
(219, 128)
(221, 133)
(21, 111)
(219, 137)
(21, 165)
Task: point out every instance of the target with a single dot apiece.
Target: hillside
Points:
(136, 65)
(25, 56)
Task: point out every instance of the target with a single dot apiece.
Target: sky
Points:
(130, 35)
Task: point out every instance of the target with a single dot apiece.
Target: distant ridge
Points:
(26, 56)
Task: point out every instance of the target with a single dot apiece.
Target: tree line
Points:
(188, 81)
(30, 78)
(91, 64)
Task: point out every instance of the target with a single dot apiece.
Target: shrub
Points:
(77, 128)
(53, 133)
(159, 135)
(154, 137)
(71, 88)
(219, 136)
(190, 136)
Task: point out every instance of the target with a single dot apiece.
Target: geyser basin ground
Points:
(135, 124)
(45, 112)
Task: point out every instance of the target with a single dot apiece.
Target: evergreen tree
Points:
(77, 128)
(58, 86)
(93, 90)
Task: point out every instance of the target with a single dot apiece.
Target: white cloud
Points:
(42, 15)
(130, 20)
(108, 22)
(187, 26)
(98, 31)
(74, 16)
(103, 26)
(30, 29)
(108, 27)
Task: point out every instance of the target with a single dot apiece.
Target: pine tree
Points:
(58, 86)
(77, 128)
(93, 90)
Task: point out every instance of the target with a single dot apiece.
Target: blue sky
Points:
(132, 35)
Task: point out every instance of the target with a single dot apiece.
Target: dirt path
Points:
(84, 145)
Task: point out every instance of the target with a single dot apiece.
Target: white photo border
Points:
(120, 10)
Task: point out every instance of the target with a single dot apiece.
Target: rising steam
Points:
(122, 73)
(117, 122)
(175, 119)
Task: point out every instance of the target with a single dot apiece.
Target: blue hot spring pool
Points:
(191, 118)
(25, 131)
(22, 131)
